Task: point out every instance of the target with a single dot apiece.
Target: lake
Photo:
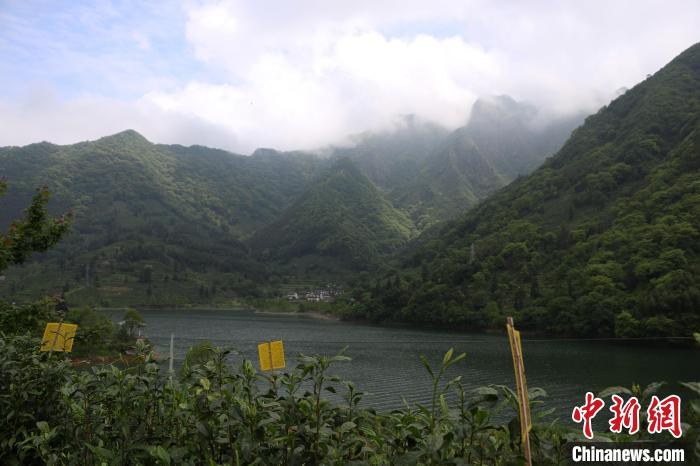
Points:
(385, 360)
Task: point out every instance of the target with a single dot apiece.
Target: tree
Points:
(132, 321)
(146, 274)
(95, 329)
(627, 326)
(35, 232)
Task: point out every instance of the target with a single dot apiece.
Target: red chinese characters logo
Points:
(624, 415)
(662, 415)
(587, 412)
(665, 415)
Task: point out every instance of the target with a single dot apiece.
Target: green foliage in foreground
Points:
(97, 334)
(35, 232)
(213, 414)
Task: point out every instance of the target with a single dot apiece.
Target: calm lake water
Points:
(385, 360)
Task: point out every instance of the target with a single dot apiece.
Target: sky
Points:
(308, 73)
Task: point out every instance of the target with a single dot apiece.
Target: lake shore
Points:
(311, 314)
(263, 311)
(275, 309)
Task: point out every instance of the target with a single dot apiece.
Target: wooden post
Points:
(55, 337)
(521, 384)
(170, 365)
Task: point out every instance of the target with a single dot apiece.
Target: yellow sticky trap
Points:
(271, 355)
(58, 337)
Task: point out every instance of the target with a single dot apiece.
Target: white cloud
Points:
(362, 82)
(42, 116)
(306, 73)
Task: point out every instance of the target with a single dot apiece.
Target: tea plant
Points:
(218, 413)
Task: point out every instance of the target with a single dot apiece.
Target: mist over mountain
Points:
(168, 224)
(392, 157)
(434, 174)
(601, 240)
(202, 215)
(510, 135)
(374, 189)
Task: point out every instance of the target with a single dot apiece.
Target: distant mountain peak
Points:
(341, 216)
(592, 227)
(506, 133)
(346, 163)
(495, 109)
(264, 152)
(128, 135)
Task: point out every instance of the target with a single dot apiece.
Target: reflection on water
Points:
(385, 360)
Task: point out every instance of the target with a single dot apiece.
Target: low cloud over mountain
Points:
(240, 75)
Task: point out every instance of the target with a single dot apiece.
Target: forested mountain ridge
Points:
(601, 240)
(225, 190)
(167, 223)
(343, 217)
(510, 136)
(434, 175)
(149, 215)
(453, 179)
(393, 157)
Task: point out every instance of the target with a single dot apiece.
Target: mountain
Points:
(393, 157)
(167, 223)
(601, 240)
(455, 177)
(424, 171)
(342, 217)
(143, 210)
(434, 174)
(232, 192)
(509, 134)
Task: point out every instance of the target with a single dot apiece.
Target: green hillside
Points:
(508, 134)
(601, 240)
(152, 222)
(171, 224)
(343, 218)
(435, 175)
(452, 180)
(394, 157)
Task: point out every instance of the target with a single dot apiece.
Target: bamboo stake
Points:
(272, 368)
(55, 337)
(519, 368)
(170, 363)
